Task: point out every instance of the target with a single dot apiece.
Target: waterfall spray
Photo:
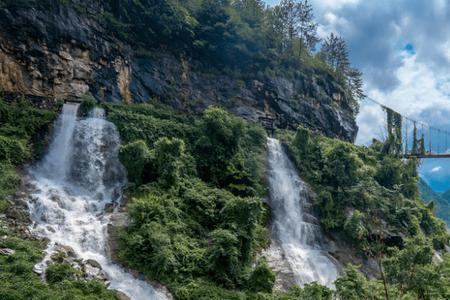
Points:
(78, 177)
(300, 239)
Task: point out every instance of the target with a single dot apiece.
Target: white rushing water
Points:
(296, 231)
(78, 177)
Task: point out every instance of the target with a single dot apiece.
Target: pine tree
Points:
(297, 21)
(355, 83)
(335, 53)
(307, 27)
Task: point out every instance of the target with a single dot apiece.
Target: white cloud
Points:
(333, 23)
(334, 4)
(371, 122)
(436, 169)
(421, 94)
(440, 6)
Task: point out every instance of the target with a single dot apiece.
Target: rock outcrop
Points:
(54, 50)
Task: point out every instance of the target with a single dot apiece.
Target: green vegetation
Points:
(87, 104)
(22, 128)
(197, 219)
(195, 232)
(370, 198)
(196, 211)
(440, 202)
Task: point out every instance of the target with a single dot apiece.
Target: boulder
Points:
(7, 251)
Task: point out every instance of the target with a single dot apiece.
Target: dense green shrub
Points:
(223, 149)
(262, 278)
(370, 198)
(135, 157)
(170, 160)
(87, 105)
(218, 143)
(192, 230)
(378, 188)
(223, 256)
(56, 273)
(389, 172)
(13, 150)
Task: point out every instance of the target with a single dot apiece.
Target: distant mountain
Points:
(441, 200)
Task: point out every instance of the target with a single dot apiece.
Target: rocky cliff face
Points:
(53, 50)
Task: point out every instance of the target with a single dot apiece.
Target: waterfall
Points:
(78, 177)
(296, 231)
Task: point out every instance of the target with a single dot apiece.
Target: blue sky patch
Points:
(409, 48)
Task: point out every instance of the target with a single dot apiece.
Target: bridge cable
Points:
(431, 129)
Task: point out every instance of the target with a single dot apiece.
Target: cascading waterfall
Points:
(78, 177)
(300, 239)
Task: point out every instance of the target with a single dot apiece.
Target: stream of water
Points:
(78, 177)
(297, 232)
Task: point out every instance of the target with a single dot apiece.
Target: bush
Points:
(56, 273)
(170, 159)
(13, 150)
(218, 143)
(341, 165)
(389, 172)
(87, 105)
(262, 279)
(223, 256)
(136, 157)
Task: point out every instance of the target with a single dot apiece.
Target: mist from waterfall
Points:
(78, 177)
(296, 231)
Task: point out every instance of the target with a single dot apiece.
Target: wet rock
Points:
(277, 262)
(18, 214)
(109, 208)
(63, 253)
(91, 272)
(7, 251)
(93, 263)
(38, 269)
(122, 296)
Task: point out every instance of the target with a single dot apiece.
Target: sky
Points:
(403, 49)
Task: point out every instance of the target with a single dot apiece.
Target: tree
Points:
(335, 53)
(158, 21)
(241, 215)
(307, 26)
(353, 285)
(223, 256)
(355, 84)
(262, 278)
(135, 156)
(297, 21)
(170, 158)
(341, 166)
(219, 142)
(389, 172)
(408, 268)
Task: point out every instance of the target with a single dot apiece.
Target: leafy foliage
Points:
(439, 201)
(237, 37)
(262, 278)
(186, 228)
(370, 198)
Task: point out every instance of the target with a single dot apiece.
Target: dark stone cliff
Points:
(54, 51)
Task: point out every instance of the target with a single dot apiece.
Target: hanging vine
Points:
(394, 127)
(415, 146)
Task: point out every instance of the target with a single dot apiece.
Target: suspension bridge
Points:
(412, 138)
